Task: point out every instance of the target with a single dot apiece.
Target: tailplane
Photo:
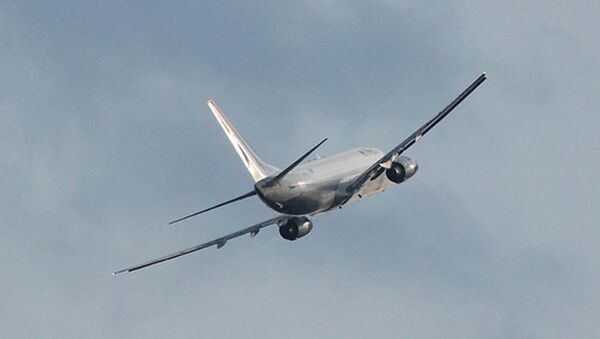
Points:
(256, 166)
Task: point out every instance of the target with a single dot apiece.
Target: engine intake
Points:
(401, 170)
(294, 228)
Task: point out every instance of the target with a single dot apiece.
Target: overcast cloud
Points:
(105, 136)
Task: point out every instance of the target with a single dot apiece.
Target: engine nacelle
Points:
(294, 228)
(401, 169)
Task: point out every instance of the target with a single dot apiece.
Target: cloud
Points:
(106, 137)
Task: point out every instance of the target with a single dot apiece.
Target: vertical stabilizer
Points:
(257, 167)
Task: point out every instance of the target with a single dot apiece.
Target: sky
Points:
(105, 136)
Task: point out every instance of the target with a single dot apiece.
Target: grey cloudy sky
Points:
(105, 136)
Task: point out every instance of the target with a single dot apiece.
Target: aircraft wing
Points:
(379, 167)
(220, 242)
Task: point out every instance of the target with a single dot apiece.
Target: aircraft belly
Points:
(305, 200)
(308, 205)
(371, 188)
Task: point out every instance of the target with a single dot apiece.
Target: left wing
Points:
(220, 242)
(379, 167)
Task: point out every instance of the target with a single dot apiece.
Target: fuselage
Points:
(320, 185)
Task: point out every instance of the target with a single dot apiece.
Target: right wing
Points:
(379, 167)
(220, 242)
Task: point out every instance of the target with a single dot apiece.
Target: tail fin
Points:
(256, 166)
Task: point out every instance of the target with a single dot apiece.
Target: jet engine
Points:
(294, 228)
(401, 169)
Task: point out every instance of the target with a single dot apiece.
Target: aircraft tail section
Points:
(255, 165)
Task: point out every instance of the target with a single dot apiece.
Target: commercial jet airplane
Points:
(302, 190)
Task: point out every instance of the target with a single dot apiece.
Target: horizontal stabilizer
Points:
(283, 173)
(244, 196)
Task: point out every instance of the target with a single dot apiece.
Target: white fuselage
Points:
(320, 185)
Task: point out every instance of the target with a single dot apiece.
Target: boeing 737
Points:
(302, 190)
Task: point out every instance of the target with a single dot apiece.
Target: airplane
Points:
(302, 190)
